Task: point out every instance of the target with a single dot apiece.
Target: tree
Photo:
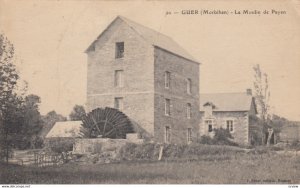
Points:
(9, 101)
(49, 120)
(262, 92)
(262, 97)
(77, 113)
(32, 122)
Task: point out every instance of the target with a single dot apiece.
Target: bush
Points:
(206, 140)
(3, 153)
(150, 151)
(221, 137)
(256, 138)
(37, 142)
(295, 145)
(147, 151)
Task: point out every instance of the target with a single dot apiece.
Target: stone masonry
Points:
(143, 89)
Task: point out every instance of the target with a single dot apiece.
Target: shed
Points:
(65, 129)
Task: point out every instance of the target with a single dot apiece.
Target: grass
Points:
(240, 168)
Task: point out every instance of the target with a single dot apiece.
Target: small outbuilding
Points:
(65, 129)
(232, 111)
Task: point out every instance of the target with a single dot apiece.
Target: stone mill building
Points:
(149, 77)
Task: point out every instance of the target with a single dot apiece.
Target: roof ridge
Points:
(158, 35)
(152, 37)
(224, 93)
(128, 20)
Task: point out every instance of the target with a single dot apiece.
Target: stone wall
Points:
(99, 145)
(240, 125)
(180, 69)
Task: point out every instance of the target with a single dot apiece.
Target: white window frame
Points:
(119, 78)
(188, 110)
(167, 107)
(167, 79)
(119, 103)
(231, 129)
(167, 134)
(189, 135)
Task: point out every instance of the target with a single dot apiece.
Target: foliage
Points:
(221, 137)
(9, 101)
(150, 151)
(256, 138)
(32, 122)
(262, 96)
(204, 139)
(8, 73)
(20, 120)
(48, 121)
(77, 113)
(242, 169)
(295, 145)
(278, 123)
(262, 92)
(59, 145)
(23, 121)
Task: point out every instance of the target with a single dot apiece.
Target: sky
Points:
(50, 38)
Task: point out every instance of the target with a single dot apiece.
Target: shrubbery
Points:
(295, 144)
(150, 151)
(221, 137)
(59, 145)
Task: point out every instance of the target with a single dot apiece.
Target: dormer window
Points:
(208, 108)
(119, 50)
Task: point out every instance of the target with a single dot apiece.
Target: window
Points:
(208, 123)
(188, 86)
(167, 79)
(229, 124)
(119, 78)
(189, 135)
(167, 107)
(167, 134)
(188, 110)
(119, 49)
(119, 103)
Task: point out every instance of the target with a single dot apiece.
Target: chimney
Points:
(249, 92)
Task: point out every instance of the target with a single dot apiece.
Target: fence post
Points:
(160, 152)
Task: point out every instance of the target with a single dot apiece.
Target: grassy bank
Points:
(223, 168)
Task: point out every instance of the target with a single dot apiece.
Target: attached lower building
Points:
(231, 111)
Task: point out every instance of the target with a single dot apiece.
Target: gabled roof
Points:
(65, 129)
(152, 37)
(227, 101)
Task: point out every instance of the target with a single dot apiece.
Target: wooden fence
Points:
(42, 160)
(38, 158)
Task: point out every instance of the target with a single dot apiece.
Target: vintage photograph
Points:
(149, 92)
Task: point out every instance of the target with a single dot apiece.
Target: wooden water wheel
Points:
(106, 123)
